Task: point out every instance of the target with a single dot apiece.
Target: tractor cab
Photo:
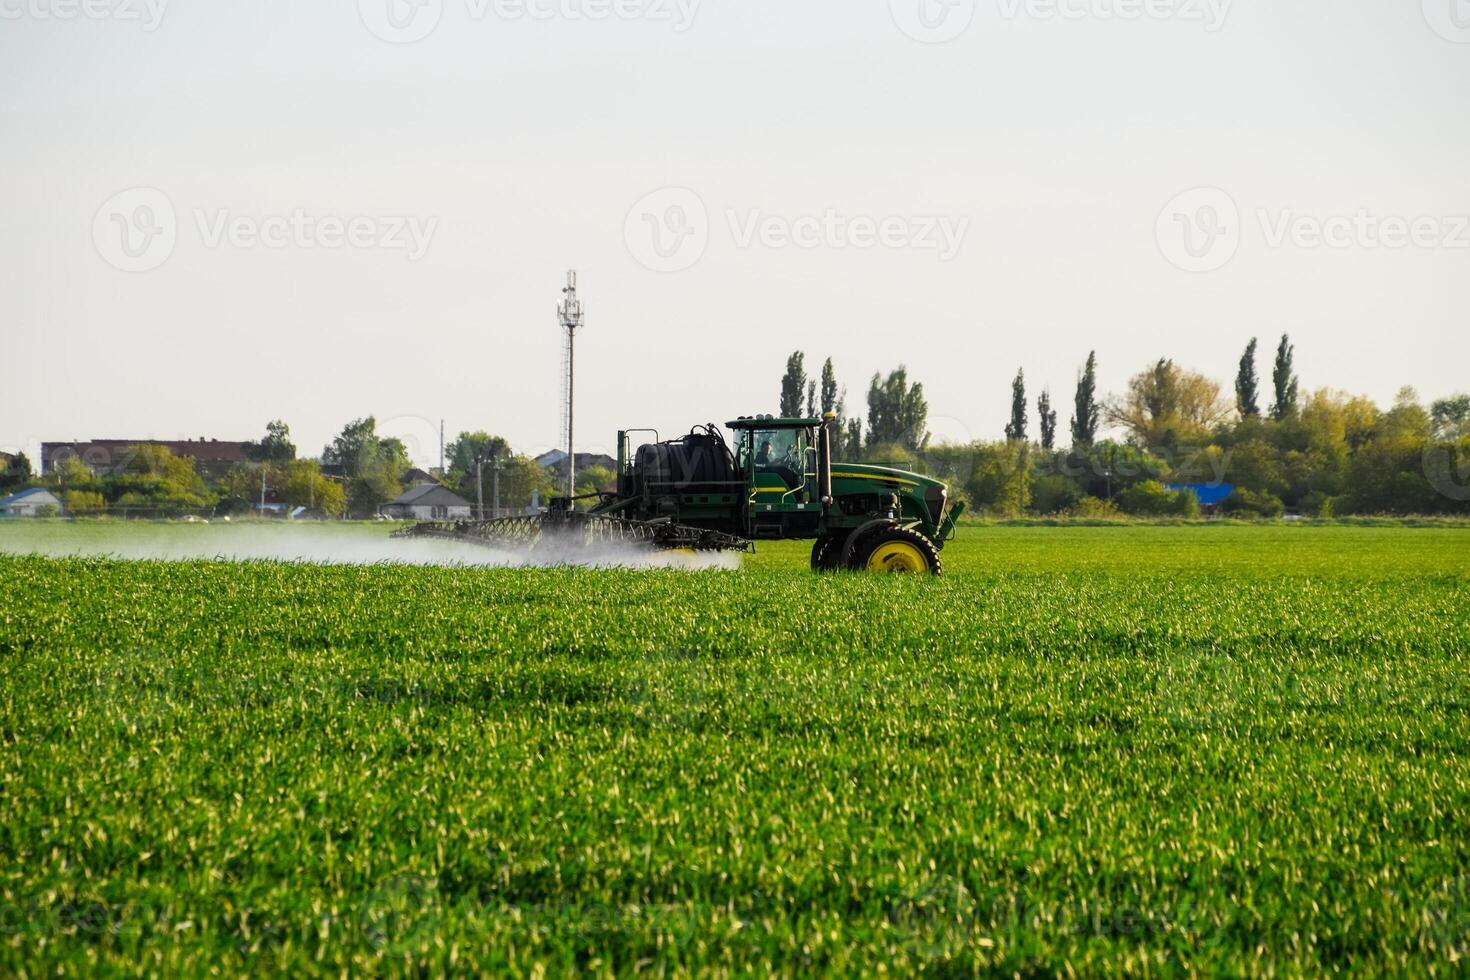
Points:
(782, 462)
(776, 453)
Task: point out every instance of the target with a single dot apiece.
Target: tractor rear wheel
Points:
(826, 554)
(896, 549)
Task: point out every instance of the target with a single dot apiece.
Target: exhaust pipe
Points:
(824, 459)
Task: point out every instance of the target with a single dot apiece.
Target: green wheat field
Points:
(1083, 751)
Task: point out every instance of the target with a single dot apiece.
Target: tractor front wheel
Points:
(898, 550)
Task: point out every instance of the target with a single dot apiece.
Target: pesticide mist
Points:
(324, 544)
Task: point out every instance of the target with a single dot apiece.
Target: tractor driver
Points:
(767, 460)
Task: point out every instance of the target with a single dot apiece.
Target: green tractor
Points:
(777, 482)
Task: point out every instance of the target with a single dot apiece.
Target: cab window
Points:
(782, 452)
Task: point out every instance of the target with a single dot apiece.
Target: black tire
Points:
(896, 549)
(826, 554)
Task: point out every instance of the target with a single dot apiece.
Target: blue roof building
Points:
(1208, 494)
(30, 503)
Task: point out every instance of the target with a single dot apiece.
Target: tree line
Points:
(1319, 453)
(356, 473)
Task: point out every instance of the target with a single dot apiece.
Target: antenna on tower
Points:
(571, 315)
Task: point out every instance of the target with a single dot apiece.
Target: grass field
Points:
(1170, 750)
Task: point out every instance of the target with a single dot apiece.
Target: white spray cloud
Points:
(326, 544)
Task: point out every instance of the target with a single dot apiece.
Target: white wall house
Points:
(428, 502)
(34, 502)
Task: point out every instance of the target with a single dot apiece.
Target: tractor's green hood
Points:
(884, 474)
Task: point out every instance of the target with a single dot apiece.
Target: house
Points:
(35, 502)
(106, 456)
(428, 502)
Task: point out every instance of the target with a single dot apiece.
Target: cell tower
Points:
(571, 314)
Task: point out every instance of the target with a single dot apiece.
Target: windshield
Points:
(781, 452)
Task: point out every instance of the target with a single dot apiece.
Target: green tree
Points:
(470, 447)
(829, 389)
(1284, 380)
(70, 473)
(793, 385)
(15, 473)
(83, 502)
(275, 448)
(1257, 466)
(521, 480)
(1000, 480)
(1247, 396)
(372, 465)
(852, 449)
(1151, 498)
(596, 479)
(1167, 407)
(897, 411)
(238, 488)
(1449, 416)
(1048, 421)
(1087, 412)
(1016, 428)
(152, 476)
(301, 483)
(1105, 468)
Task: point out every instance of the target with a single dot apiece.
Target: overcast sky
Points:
(219, 213)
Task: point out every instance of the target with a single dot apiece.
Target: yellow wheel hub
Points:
(897, 556)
